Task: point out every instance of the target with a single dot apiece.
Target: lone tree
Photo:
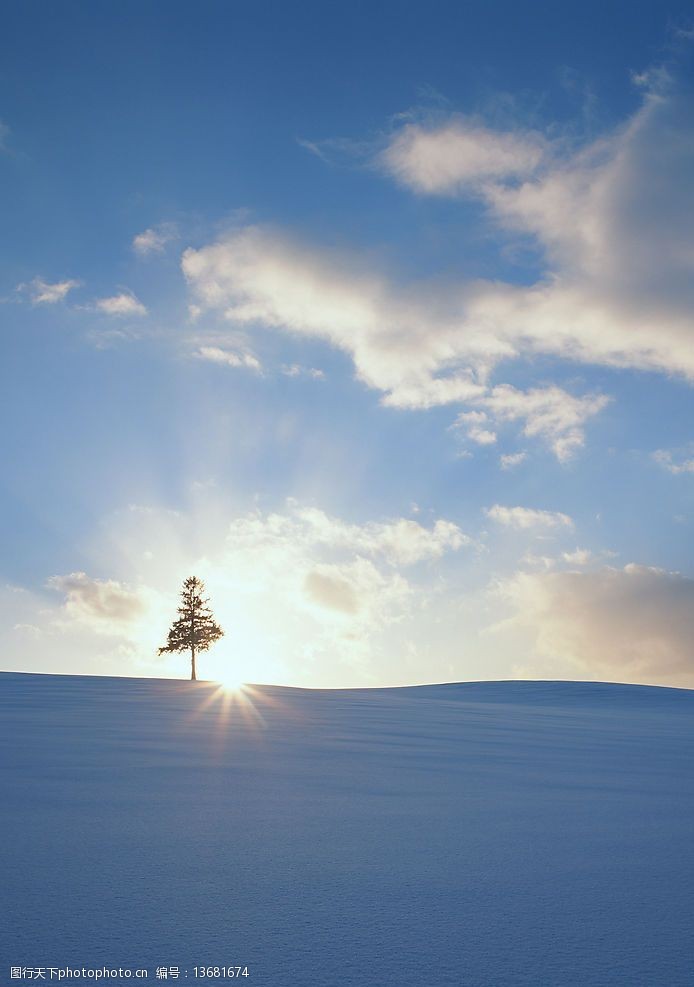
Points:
(195, 630)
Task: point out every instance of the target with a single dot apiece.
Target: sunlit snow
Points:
(482, 834)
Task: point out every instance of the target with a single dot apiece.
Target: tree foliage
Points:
(195, 629)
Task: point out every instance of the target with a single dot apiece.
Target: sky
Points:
(378, 317)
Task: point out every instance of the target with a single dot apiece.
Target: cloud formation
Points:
(510, 460)
(333, 570)
(331, 591)
(579, 556)
(105, 605)
(46, 293)
(155, 239)
(676, 466)
(472, 424)
(525, 518)
(456, 155)
(296, 370)
(315, 588)
(630, 624)
(227, 357)
(306, 597)
(357, 590)
(410, 343)
(262, 276)
(400, 541)
(548, 413)
(610, 221)
(121, 305)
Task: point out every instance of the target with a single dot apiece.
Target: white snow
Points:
(481, 834)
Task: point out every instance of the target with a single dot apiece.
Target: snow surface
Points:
(481, 834)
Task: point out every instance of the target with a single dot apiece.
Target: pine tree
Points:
(195, 630)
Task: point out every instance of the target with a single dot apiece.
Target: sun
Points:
(230, 681)
(226, 670)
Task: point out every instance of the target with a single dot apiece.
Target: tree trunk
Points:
(192, 644)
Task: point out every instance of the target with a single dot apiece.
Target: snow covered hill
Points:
(480, 834)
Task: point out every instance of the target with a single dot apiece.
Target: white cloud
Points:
(260, 276)
(549, 413)
(229, 358)
(105, 605)
(122, 304)
(46, 293)
(450, 157)
(510, 460)
(580, 556)
(526, 517)
(155, 239)
(400, 541)
(103, 339)
(472, 425)
(296, 370)
(633, 624)
(356, 590)
(82, 629)
(482, 436)
(545, 562)
(611, 221)
(666, 459)
(331, 591)
(422, 346)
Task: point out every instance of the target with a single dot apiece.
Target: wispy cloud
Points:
(579, 556)
(399, 541)
(633, 624)
(526, 517)
(155, 239)
(611, 224)
(510, 460)
(103, 339)
(453, 156)
(548, 413)
(610, 218)
(261, 276)
(228, 358)
(326, 586)
(42, 292)
(351, 589)
(105, 605)
(473, 425)
(672, 463)
(121, 305)
(297, 370)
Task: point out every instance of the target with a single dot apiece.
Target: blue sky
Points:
(378, 317)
